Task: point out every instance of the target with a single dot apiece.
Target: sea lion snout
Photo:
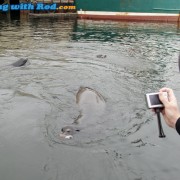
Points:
(67, 132)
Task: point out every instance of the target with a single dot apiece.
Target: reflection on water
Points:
(120, 60)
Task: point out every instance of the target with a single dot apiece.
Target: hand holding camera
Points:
(171, 111)
(165, 102)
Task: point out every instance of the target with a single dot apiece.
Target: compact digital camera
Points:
(153, 100)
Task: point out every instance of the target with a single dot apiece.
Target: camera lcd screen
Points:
(154, 99)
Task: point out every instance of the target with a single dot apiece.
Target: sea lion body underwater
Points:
(91, 105)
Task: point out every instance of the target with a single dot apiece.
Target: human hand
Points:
(171, 111)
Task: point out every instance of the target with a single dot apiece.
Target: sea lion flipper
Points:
(76, 121)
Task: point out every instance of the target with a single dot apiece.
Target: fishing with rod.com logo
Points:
(37, 6)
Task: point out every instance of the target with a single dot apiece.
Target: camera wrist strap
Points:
(161, 132)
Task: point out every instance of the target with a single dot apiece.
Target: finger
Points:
(154, 110)
(163, 99)
(170, 93)
(164, 89)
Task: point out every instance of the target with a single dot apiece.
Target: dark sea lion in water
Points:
(20, 62)
(101, 56)
(67, 132)
(91, 105)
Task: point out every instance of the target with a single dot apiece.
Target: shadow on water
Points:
(120, 60)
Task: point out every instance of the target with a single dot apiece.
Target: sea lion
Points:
(101, 56)
(20, 62)
(91, 105)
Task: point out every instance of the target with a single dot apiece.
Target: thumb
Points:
(163, 99)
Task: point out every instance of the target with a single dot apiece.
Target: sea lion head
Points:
(21, 62)
(67, 132)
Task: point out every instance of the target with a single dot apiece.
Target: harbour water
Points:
(120, 60)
